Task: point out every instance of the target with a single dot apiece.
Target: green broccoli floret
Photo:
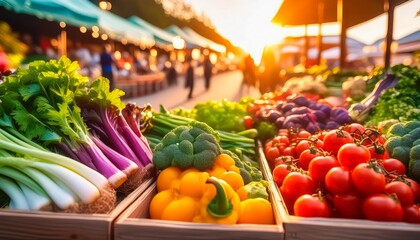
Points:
(401, 153)
(392, 143)
(187, 146)
(411, 125)
(397, 129)
(414, 166)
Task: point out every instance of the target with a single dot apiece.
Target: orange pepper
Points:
(224, 168)
(256, 211)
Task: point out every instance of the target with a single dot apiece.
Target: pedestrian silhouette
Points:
(249, 77)
(189, 77)
(208, 68)
(107, 65)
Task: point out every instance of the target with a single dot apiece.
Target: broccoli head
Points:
(195, 145)
(247, 170)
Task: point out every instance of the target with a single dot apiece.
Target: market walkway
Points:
(223, 85)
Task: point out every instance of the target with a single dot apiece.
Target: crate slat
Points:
(17, 224)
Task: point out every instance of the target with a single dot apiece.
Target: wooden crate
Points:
(135, 223)
(297, 228)
(15, 224)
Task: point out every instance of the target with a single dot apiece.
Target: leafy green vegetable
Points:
(401, 102)
(221, 115)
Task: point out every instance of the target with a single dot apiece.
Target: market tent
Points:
(82, 13)
(346, 12)
(53, 10)
(190, 41)
(205, 41)
(161, 36)
(114, 26)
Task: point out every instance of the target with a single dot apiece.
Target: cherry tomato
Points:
(306, 157)
(334, 139)
(248, 122)
(393, 165)
(272, 153)
(311, 206)
(348, 206)
(304, 134)
(290, 151)
(281, 139)
(381, 207)
(412, 214)
(355, 128)
(416, 189)
(377, 152)
(366, 180)
(338, 181)
(319, 167)
(403, 192)
(296, 184)
(350, 155)
(280, 172)
(302, 145)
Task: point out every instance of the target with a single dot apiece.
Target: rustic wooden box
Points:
(16, 224)
(297, 228)
(135, 223)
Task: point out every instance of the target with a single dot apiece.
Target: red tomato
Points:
(351, 154)
(290, 151)
(377, 152)
(366, 180)
(248, 122)
(319, 167)
(416, 189)
(348, 206)
(294, 185)
(280, 172)
(403, 192)
(311, 206)
(302, 145)
(334, 139)
(338, 181)
(393, 165)
(305, 158)
(304, 134)
(281, 139)
(412, 214)
(272, 153)
(355, 128)
(380, 207)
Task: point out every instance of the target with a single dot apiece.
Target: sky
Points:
(247, 23)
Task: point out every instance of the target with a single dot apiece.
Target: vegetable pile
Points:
(51, 113)
(216, 194)
(299, 112)
(396, 96)
(326, 175)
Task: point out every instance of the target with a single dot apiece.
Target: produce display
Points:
(71, 145)
(66, 141)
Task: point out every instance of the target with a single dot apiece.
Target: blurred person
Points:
(208, 70)
(108, 64)
(171, 73)
(189, 76)
(249, 76)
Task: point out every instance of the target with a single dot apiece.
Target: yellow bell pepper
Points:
(224, 168)
(194, 196)
(256, 211)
